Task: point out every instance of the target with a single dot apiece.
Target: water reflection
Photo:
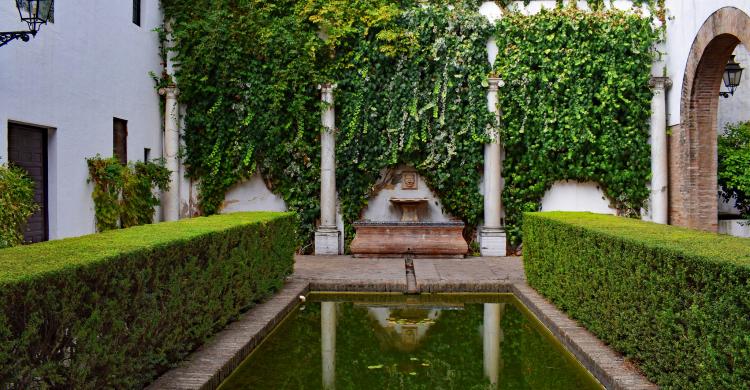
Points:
(492, 337)
(403, 326)
(328, 343)
(363, 341)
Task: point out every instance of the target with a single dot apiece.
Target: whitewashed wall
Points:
(380, 208)
(576, 196)
(252, 195)
(736, 108)
(87, 67)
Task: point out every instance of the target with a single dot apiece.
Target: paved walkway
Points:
(344, 273)
(207, 367)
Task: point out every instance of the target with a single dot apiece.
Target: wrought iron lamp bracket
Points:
(8, 36)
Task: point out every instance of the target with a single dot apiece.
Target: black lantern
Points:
(35, 13)
(732, 76)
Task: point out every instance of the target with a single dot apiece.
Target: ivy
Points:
(575, 106)
(123, 194)
(412, 84)
(424, 106)
(734, 166)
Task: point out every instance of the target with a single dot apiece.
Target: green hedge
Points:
(114, 310)
(675, 301)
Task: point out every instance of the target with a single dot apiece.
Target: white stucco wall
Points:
(380, 208)
(575, 196)
(736, 108)
(87, 67)
(252, 195)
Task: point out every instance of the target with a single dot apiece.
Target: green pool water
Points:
(433, 341)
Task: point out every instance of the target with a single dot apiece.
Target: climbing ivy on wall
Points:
(424, 106)
(412, 83)
(576, 106)
(124, 194)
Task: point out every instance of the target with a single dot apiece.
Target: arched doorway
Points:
(692, 145)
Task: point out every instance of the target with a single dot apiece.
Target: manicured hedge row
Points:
(676, 301)
(113, 310)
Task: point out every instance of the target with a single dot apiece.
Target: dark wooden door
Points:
(120, 140)
(27, 148)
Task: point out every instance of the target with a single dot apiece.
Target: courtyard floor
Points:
(207, 367)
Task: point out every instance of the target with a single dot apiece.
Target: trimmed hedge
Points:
(675, 301)
(115, 309)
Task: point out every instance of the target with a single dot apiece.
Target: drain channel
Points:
(411, 279)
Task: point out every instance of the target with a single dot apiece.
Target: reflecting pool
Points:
(395, 341)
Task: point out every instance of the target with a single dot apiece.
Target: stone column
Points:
(492, 240)
(327, 236)
(328, 343)
(492, 336)
(659, 167)
(171, 198)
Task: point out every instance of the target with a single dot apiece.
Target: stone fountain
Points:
(409, 235)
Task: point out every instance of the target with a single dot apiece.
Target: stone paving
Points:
(207, 367)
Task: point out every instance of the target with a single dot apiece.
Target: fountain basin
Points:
(396, 239)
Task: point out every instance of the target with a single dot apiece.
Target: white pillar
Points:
(659, 167)
(328, 343)
(492, 240)
(327, 235)
(171, 198)
(492, 336)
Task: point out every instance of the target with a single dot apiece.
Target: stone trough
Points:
(421, 239)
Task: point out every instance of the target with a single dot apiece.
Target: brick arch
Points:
(692, 146)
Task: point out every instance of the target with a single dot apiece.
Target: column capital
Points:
(660, 83)
(327, 87)
(170, 91)
(495, 83)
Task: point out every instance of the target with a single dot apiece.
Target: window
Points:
(137, 12)
(146, 154)
(120, 140)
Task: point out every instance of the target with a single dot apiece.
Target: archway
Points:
(692, 146)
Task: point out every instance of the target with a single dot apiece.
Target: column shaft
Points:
(492, 236)
(327, 236)
(659, 164)
(171, 198)
(328, 161)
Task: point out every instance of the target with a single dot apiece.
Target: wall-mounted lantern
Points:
(35, 13)
(732, 76)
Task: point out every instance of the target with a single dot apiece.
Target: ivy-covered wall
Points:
(412, 84)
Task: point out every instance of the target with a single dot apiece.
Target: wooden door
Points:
(27, 148)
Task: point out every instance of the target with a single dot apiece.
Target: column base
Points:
(492, 241)
(327, 241)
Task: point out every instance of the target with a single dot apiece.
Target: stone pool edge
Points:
(213, 362)
(207, 367)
